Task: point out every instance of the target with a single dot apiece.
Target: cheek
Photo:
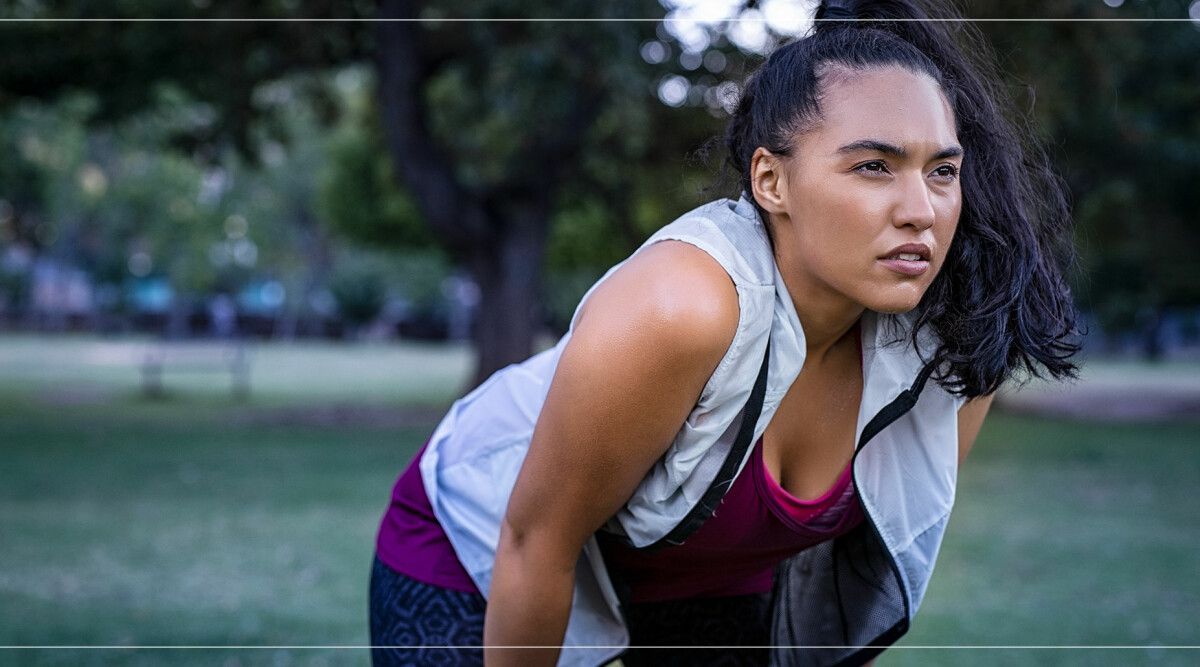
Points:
(850, 228)
(945, 232)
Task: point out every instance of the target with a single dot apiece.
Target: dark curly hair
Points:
(1000, 305)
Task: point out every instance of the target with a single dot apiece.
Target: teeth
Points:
(908, 257)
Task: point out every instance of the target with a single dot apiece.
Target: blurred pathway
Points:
(1114, 391)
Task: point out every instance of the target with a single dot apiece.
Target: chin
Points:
(893, 309)
(894, 304)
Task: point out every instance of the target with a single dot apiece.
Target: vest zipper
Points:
(899, 406)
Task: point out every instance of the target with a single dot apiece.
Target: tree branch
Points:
(452, 213)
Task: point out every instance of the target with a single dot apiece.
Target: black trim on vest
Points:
(890, 413)
(868, 653)
(703, 509)
(896, 409)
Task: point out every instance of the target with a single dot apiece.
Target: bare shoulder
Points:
(641, 352)
(672, 293)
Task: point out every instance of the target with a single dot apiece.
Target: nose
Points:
(914, 205)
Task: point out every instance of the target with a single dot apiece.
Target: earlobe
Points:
(768, 180)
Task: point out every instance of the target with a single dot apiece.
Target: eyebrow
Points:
(893, 150)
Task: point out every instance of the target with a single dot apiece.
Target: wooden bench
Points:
(229, 358)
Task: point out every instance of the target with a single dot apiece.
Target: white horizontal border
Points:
(1154, 647)
(576, 20)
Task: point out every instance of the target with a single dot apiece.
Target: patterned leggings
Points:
(413, 623)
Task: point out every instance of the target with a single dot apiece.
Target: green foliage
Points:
(358, 194)
(510, 107)
(418, 276)
(590, 233)
(364, 280)
(583, 234)
(104, 197)
(360, 288)
(221, 62)
(525, 112)
(566, 108)
(517, 107)
(97, 198)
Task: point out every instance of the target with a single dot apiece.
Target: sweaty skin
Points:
(878, 173)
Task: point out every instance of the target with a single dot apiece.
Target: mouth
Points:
(910, 259)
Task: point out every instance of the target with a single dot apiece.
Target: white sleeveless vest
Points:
(859, 590)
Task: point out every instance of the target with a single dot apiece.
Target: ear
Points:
(768, 180)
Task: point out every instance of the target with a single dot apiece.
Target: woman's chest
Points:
(811, 438)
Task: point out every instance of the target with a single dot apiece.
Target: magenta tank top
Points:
(412, 542)
(756, 526)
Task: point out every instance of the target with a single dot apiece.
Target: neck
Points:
(824, 327)
(825, 314)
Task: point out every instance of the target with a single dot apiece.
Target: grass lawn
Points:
(1068, 534)
(196, 520)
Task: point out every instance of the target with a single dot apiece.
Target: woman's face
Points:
(865, 207)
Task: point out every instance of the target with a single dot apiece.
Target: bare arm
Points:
(970, 419)
(644, 347)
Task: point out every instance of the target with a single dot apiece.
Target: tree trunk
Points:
(508, 272)
(454, 214)
(501, 235)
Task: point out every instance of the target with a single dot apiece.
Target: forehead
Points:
(890, 104)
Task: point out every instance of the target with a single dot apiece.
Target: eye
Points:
(872, 167)
(946, 172)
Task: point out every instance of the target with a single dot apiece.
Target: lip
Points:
(908, 267)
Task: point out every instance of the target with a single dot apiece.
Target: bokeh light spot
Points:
(236, 226)
(673, 90)
(140, 264)
(655, 52)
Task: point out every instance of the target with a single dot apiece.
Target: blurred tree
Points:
(204, 214)
(360, 289)
(522, 140)
(357, 190)
(505, 130)
(494, 126)
(69, 46)
(99, 199)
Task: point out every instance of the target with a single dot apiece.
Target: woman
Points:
(749, 437)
